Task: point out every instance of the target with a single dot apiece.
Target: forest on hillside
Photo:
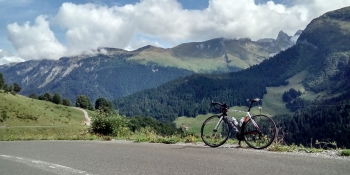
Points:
(328, 121)
(190, 96)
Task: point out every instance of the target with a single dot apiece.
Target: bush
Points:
(109, 124)
(345, 152)
(27, 117)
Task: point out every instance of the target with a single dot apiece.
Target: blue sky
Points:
(50, 29)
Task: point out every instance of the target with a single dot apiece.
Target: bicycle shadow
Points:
(208, 147)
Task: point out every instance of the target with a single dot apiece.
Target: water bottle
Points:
(241, 121)
(234, 121)
(235, 124)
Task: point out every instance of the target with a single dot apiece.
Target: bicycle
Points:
(257, 131)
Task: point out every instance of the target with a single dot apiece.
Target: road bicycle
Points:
(257, 131)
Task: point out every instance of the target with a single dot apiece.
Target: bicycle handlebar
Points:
(222, 105)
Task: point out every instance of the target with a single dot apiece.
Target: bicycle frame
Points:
(258, 131)
(253, 121)
(219, 123)
(238, 128)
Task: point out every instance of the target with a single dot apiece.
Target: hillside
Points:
(22, 115)
(322, 51)
(113, 73)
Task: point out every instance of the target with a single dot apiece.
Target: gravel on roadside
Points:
(325, 154)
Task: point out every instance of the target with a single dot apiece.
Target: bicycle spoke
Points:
(215, 132)
(263, 137)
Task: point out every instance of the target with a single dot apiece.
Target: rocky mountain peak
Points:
(283, 37)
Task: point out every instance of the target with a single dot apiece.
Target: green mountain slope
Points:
(326, 39)
(215, 55)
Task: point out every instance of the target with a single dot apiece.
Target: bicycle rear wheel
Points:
(261, 136)
(212, 136)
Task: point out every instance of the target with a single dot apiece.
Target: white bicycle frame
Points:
(237, 127)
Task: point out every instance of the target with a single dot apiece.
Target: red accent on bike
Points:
(246, 119)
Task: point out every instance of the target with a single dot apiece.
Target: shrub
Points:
(109, 124)
(345, 152)
(27, 117)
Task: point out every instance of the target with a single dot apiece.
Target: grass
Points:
(345, 152)
(45, 133)
(30, 119)
(23, 111)
(275, 147)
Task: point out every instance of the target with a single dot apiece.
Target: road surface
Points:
(124, 157)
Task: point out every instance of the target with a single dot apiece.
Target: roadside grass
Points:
(345, 152)
(293, 148)
(46, 133)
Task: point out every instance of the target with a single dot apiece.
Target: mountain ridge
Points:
(132, 71)
(315, 52)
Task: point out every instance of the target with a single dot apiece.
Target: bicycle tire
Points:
(262, 139)
(215, 138)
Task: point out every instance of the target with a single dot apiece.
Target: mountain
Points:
(321, 55)
(316, 68)
(113, 73)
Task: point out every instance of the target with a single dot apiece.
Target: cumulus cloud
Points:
(35, 41)
(7, 57)
(162, 23)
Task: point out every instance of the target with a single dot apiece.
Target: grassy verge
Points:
(345, 152)
(146, 134)
(45, 133)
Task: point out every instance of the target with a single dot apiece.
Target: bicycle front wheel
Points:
(262, 134)
(215, 131)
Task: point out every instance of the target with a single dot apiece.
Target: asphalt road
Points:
(123, 157)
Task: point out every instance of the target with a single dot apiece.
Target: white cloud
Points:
(166, 22)
(90, 26)
(7, 57)
(36, 41)
(161, 22)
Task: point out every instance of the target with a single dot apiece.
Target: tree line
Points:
(82, 101)
(14, 88)
(191, 95)
(326, 121)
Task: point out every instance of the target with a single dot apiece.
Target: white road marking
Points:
(51, 167)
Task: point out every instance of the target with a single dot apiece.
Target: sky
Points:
(50, 29)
